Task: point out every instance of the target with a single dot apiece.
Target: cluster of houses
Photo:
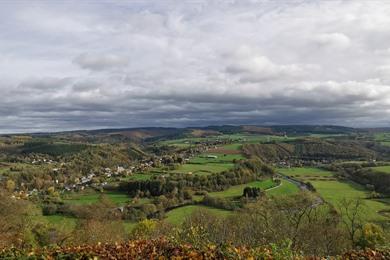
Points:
(24, 194)
(105, 175)
(43, 161)
(87, 181)
(288, 163)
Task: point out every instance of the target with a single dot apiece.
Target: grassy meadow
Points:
(285, 188)
(306, 173)
(178, 215)
(333, 190)
(383, 138)
(217, 160)
(204, 169)
(385, 169)
(238, 190)
(90, 197)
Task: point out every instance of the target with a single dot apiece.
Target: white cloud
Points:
(333, 40)
(70, 64)
(252, 67)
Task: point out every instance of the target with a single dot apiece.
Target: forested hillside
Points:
(309, 149)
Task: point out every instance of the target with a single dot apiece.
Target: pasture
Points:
(285, 188)
(306, 173)
(4, 168)
(237, 190)
(61, 221)
(137, 177)
(208, 163)
(383, 138)
(236, 139)
(90, 197)
(385, 169)
(220, 158)
(178, 215)
(335, 191)
(203, 169)
(68, 224)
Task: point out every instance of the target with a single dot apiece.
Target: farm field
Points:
(238, 190)
(203, 169)
(220, 158)
(306, 173)
(385, 169)
(3, 169)
(237, 139)
(285, 188)
(208, 163)
(326, 135)
(91, 197)
(178, 215)
(299, 171)
(235, 146)
(69, 223)
(335, 191)
(383, 138)
(138, 177)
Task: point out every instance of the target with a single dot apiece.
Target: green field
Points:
(60, 220)
(385, 169)
(335, 191)
(326, 135)
(204, 164)
(203, 169)
(178, 215)
(382, 138)
(91, 197)
(306, 173)
(285, 188)
(4, 169)
(137, 177)
(237, 139)
(220, 158)
(238, 190)
(69, 223)
(235, 146)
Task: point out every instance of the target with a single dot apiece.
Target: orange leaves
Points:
(162, 249)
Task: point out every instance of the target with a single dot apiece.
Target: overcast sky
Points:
(104, 64)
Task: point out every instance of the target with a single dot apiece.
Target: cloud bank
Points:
(83, 65)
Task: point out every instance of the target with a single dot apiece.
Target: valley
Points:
(70, 178)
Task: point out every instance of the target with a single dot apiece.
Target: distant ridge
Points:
(143, 133)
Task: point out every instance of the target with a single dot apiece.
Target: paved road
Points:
(301, 186)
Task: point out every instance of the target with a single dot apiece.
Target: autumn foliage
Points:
(165, 249)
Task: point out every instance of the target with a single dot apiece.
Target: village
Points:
(101, 178)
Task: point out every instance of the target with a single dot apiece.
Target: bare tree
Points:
(351, 211)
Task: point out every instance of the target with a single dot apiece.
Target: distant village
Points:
(105, 176)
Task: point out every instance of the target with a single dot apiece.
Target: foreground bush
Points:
(141, 249)
(165, 249)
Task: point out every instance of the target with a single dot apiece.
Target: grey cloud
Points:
(100, 61)
(44, 84)
(134, 64)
